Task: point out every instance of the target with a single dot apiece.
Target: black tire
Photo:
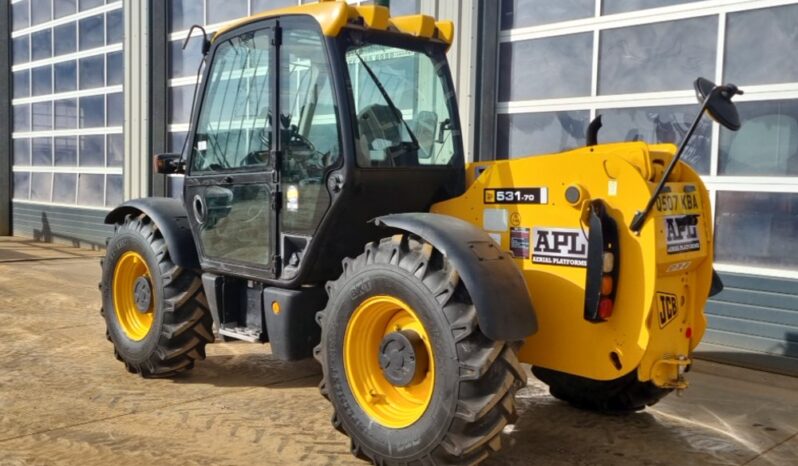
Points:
(624, 394)
(182, 322)
(475, 378)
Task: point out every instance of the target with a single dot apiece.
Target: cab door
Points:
(231, 191)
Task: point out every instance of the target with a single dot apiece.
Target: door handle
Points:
(227, 179)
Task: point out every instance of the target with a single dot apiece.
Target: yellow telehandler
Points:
(328, 209)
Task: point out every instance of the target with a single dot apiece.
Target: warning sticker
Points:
(560, 246)
(519, 242)
(292, 198)
(681, 233)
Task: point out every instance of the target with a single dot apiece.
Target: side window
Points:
(403, 109)
(309, 128)
(233, 131)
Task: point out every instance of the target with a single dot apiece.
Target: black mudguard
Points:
(171, 219)
(496, 285)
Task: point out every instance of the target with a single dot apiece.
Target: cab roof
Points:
(333, 16)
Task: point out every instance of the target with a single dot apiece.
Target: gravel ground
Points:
(64, 399)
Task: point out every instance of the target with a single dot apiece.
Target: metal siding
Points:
(754, 322)
(5, 119)
(72, 225)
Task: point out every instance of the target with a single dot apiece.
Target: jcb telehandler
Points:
(328, 210)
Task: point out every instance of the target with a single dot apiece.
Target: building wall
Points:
(68, 111)
(563, 62)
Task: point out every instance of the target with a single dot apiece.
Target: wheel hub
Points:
(403, 358)
(142, 294)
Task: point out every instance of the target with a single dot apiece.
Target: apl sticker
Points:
(292, 198)
(519, 242)
(681, 233)
(667, 308)
(560, 246)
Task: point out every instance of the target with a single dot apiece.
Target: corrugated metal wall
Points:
(76, 226)
(754, 322)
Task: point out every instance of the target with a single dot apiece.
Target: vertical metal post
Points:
(6, 119)
(159, 91)
(485, 83)
(138, 160)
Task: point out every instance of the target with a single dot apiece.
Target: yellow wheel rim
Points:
(136, 323)
(389, 405)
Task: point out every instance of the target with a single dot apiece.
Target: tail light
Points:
(601, 279)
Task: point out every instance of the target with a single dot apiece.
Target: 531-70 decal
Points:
(516, 196)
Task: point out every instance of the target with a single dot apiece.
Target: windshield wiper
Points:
(388, 100)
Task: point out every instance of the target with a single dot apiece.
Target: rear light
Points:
(602, 264)
(688, 333)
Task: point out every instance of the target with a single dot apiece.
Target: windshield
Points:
(403, 117)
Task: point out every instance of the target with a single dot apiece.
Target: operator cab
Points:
(366, 117)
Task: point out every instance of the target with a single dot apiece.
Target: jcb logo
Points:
(560, 246)
(667, 308)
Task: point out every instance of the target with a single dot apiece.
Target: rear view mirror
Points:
(167, 164)
(718, 102)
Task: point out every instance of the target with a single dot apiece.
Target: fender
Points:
(171, 219)
(496, 285)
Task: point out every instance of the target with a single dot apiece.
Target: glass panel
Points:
(21, 151)
(92, 111)
(41, 185)
(65, 73)
(421, 96)
(767, 143)
(42, 80)
(114, 68)
(92, 72)
(21, 185)
(92, 32)
(184, 62)
(64, 186)
(180, 103)
(89, 4)
(237, 223)
(746, 40)
(264, 5)
(660, 124)
(66, 151)
(42, 116)
(64, 8)
(115, 109)
(609, 7)
(40, 11)
(184, 13)
(42, 151)
(114, 28)
(22, 117)
(115, 146)
(657, 57)
(91, 189)
(92, 150)
(41, 44)
(307, 106)
(21, 52)
(233, 132)
(523, 134)
(20, 15)
(567, 72)
(176, 141)
(757, 229)
(405, 7)
(66, 114)
(21, 84)
(522, 13)
(65, 39)
(113, 190)
(225, 10)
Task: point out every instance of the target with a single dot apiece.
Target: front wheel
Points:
(155, 312)
(624, 394)
(411, 377)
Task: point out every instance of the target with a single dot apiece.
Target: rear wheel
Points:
(624, 394)
(155, 312)
(411, 377)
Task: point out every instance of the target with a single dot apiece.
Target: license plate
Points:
(678, 203)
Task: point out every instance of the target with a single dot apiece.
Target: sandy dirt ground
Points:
(64, 399)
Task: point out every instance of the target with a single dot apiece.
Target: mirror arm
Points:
(640, 216)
